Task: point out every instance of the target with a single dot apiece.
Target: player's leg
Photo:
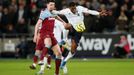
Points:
(48, 44)
(70, 54)
(74, 44)
(57, 52)
(73, 50)
(39, 46)
(35, 59)
(42, 67)
(64, 54)
(49, 61)
(44, 54)
(58, 55)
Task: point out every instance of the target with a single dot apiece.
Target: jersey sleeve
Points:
(43, 15)
(60, 12)
(86, 10)
(64, 11)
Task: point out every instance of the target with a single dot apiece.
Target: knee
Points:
(58, 55)
(37, 53)
(48, 46)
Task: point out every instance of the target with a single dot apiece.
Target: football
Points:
(80, 27)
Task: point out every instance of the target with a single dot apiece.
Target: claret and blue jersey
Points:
(48, 21)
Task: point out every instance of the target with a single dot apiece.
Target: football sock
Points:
(57, 66)
(49, 60)
(44, 53)
(35, 59)
(69, 56)
(43, 66)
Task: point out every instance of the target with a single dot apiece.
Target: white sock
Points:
(69, 56)
(34, 64)
(43, 66)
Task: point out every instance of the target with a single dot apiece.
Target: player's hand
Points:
(103, 13)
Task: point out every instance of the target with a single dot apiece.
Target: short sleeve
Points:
(43, 15)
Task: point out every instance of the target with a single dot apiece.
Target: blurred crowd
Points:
(20, 16)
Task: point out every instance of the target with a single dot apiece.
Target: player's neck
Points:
(49, 9)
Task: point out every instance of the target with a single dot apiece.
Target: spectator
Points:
(95, 4)
(122, 23)
(1, 8)
(59, 3)
(122, 48)
(132, 11)
(4, 19)
(22, 49)
(11, 15)
(110, 22)
(22, 19)
(88, 5)
(10, 29)
(33, 17)
(82, 2)
(14, 5)
(33, 14)
(112, 5)
(131, 25)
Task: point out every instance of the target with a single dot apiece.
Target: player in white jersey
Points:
(75, 16)
(60, 34)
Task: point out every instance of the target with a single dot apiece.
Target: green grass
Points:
(76, 67)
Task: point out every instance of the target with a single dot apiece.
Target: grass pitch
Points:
(75, 67)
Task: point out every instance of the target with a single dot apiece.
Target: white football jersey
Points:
(78, 17)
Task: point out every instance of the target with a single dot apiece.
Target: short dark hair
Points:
(48, 1)
(72, 4)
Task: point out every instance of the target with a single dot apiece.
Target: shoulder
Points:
(44, 11)
(80, 7)
(65, 10)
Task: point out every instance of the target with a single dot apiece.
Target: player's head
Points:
(123, 37)
(72, 6)
(50, 4)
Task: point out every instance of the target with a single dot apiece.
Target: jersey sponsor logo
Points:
(131, 41)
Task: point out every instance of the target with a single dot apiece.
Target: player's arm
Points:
(60, 12)
(39, 22)
(92, 12)
(43, 15)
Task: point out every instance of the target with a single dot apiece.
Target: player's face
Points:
(51, 6)
(73, 9)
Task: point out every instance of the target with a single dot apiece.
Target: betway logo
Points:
(131, 41)
(97, 44)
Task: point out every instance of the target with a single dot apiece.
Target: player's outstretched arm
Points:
(60, 12)
(92, 12)
(36, 30)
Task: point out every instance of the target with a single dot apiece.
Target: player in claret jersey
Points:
(60, 34)
(46, 40)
